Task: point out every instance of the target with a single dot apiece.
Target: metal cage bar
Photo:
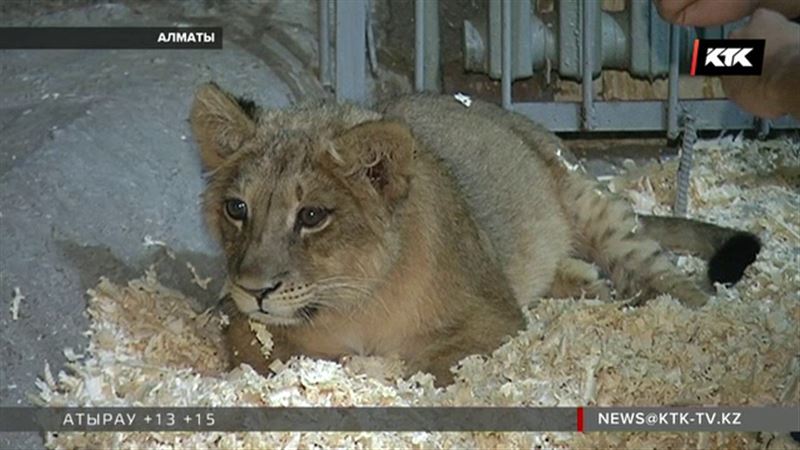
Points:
(426, 45)
(672, 99)
(419, 46)
(587, 55)
(506, 70)
(324, 43)
(713, 114)
(351, 51)
(586, 115)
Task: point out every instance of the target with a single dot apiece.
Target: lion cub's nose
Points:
(263, 292)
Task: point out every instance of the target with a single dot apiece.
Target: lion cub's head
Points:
(305, 203)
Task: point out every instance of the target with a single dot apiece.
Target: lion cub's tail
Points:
(727, 250)
(608, 232)
(630, 247)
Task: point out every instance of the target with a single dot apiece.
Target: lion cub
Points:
(415, 232)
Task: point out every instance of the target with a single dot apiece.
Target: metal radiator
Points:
(577, 41)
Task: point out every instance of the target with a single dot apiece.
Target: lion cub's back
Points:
(508, 190)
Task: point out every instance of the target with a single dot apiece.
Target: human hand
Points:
(777, 90)
(704, 13)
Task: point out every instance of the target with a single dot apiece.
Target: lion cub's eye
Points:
(236, 209)
(311, 217)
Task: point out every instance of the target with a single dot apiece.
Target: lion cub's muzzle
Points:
(261, 294)
(283, 303)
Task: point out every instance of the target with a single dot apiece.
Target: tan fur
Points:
(399, 270)
(535, 208)
(577, 278)
(444, 221)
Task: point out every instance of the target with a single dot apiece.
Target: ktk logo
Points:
(733, 56)
(728, 57)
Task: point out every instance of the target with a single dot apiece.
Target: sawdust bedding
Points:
(149, 347)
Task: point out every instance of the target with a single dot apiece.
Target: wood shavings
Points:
(740, 349)
(386, 369)
(16, 301)
(263, 336)
(202, 282)
(70, 354)
(650, 189)
(590, 386)
(48, 375)
(148, 241)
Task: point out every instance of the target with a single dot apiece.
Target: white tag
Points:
(464, 99)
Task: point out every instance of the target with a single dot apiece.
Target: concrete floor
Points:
(96, 154)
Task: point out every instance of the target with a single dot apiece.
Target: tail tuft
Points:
(728, 263)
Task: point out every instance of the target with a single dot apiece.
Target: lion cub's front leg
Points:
(245, 348)
(475, 337)
(438, 358)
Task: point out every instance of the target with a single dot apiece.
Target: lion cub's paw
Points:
(578, 278)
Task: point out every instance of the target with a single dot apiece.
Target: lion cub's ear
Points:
(380, 152)
(220, 124)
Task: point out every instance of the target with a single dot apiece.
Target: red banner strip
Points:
(694, 56)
